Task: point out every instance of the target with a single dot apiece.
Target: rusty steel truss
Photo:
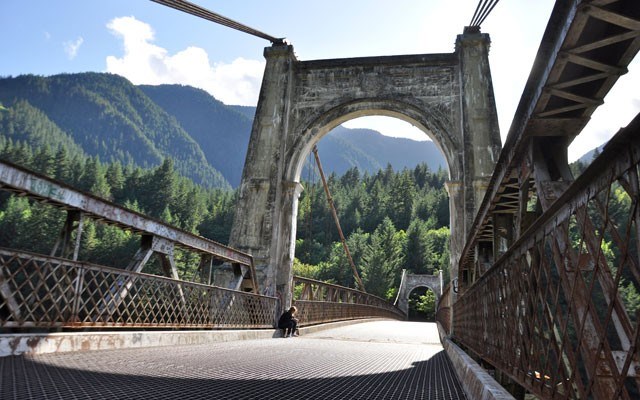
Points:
(48, 292)
(320, 302)
(549, 278)
(559, 311)
(39, 291)
(586, 47)
(156, 237)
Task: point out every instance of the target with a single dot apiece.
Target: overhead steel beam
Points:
(586, 47)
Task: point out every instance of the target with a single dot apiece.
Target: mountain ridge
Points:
(117, 121)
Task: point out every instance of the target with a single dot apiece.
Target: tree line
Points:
(158, 192)
(392, 219)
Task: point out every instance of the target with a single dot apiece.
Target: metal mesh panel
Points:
(443, 311)
(39, 291)
(320, 302)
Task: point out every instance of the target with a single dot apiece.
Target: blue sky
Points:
(152, 44)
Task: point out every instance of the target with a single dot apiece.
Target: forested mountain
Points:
(23, 123)
(221, 132)
(370, 151)
(105, 115)
(108, 117)
(392, 220)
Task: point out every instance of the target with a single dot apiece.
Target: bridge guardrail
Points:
(47, 292)
(443, 312)
(321, 302)
(557, 311)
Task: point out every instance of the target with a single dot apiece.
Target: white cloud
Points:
(146, 63)
(511, 56)
(72, 47)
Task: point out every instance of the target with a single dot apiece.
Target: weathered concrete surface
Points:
(16, 344)
(447, 96)
(475, 381)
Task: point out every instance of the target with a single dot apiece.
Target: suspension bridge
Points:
(535, 309)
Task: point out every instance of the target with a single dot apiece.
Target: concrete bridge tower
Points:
(448, 96)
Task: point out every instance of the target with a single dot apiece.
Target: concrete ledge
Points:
(476, 382)
(15, 344)
(41, 343)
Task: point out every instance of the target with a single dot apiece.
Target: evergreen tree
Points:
(16, 211)
(421, 175)
(116, 180)
(43, 162)
(437, 245)
(62, 166)
(93, 179)
(416, 258)
(160, 189)
(383, 259)
(401, 199)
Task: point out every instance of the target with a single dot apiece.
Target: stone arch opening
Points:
(302, 158)
(315, 130)
(422, 304)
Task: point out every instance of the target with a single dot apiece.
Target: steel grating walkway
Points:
(373, 360)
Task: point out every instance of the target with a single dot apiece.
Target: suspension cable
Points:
(482, 11)
(194, 9)
(337, 221)
(311, 179)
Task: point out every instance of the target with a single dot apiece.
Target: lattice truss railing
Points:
(586, 47)
(44, 292)
(559, 311)
(444, 307)
(320, 302)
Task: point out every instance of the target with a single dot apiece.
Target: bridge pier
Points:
(448, 96)
(265, 200)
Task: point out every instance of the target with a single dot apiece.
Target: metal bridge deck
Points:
(372, 360)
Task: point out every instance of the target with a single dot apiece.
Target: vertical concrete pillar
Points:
(480, 130)
(257, 227)
(287, 238)
(455, 189)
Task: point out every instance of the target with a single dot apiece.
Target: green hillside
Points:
(221, 132)
(107, 116)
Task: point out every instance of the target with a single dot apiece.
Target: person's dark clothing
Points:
(288, 323)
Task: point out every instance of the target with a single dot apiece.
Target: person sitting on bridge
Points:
(288, 322)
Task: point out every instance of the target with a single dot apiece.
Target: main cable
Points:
(482, 11)
(194, 9)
